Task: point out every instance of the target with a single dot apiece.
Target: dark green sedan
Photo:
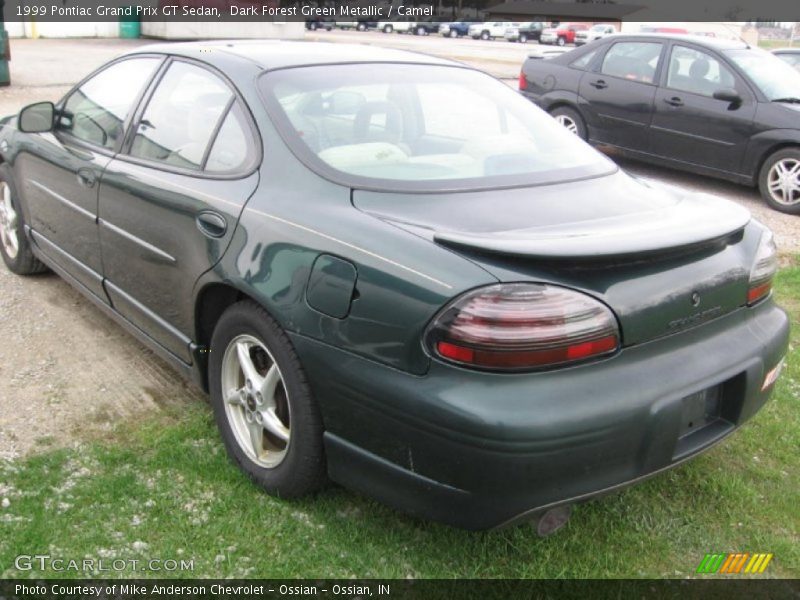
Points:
(393, 272)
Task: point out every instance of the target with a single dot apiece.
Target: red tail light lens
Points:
(764, 269)
(523, 81)
(522, 326)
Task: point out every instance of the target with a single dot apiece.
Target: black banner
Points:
(394, 10)
(207, 589)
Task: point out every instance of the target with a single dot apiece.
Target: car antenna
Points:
(738, 35)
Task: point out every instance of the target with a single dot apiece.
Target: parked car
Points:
(707, 105)
(789, 55)
(524, 32)
(490, 30)
(376, 294)
(314, 24)
(399, 26)
(455, 29)
(426, 27)
(562, 34)
(595, 32)
(357, 25)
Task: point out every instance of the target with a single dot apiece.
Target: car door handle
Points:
(674, 101)
(212, 224)
(599, 84)
(86, 178)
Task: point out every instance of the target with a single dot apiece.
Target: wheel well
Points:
(565, 104)
(772, 150)
(213, 300)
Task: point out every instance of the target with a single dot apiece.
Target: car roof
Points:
(277, 54)
(700, 40)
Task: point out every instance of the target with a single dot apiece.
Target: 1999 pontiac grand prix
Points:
(394, 272)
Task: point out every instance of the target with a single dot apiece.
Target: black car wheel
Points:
(14, 246)
(268, 419)
(523, 39)
(420, 31)
(484, 35)
(361, 27)
(453, 33)
(561, 41)
(387, 29)
(571, 119)
(312, 26)
(779, 181)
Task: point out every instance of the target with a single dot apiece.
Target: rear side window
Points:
(95, 113)
(635, 61)
(584, 61)
(232, 147)
(181, 117)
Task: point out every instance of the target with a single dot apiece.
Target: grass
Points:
(168, 491)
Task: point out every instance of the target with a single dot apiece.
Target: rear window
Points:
(419, 126)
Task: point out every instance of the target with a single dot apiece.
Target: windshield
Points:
(775, 78)
(420, 123)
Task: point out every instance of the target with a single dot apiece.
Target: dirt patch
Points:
(68, 371)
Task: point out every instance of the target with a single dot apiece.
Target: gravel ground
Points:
(66, 370)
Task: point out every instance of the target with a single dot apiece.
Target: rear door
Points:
(691, 126)
(617, 97)
(59, 171)
(170, 201)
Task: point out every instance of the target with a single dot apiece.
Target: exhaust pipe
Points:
(553, 519)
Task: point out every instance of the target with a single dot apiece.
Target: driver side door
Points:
(59, 170)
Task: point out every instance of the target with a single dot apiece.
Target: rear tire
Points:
(571, 119)
(453, 33)
(485, 35)
(387, 29)
(779, 181)
(14, 246)
(269, 422)
(361, 27)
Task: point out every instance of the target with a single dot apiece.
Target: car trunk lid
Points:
(661, 260)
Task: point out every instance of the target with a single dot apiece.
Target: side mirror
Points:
(37, 118)
(728, 95)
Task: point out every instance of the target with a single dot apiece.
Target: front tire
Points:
(387, 29)
(452, 33)
(561, 41)
(14, 246)
(267, 417)
(571, 119)
(779, 181)
(523, 39)
(361, 27)
(485, 35)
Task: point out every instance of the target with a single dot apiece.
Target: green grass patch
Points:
(164, 489)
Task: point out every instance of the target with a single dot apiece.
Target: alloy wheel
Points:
(783, 181)
(8, 222)
(568, 123)
(256, 401)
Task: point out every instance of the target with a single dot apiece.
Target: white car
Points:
(404, 26)
(490, 30)
(596, 32)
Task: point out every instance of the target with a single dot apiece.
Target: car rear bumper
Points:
(480, 450)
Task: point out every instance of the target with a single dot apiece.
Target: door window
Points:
(697, 72)
(232, 145)
(181, 117)
(636, 61)
(95, 113)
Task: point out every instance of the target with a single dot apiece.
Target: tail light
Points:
(523, 81)
(764, 269)
(521, 326)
